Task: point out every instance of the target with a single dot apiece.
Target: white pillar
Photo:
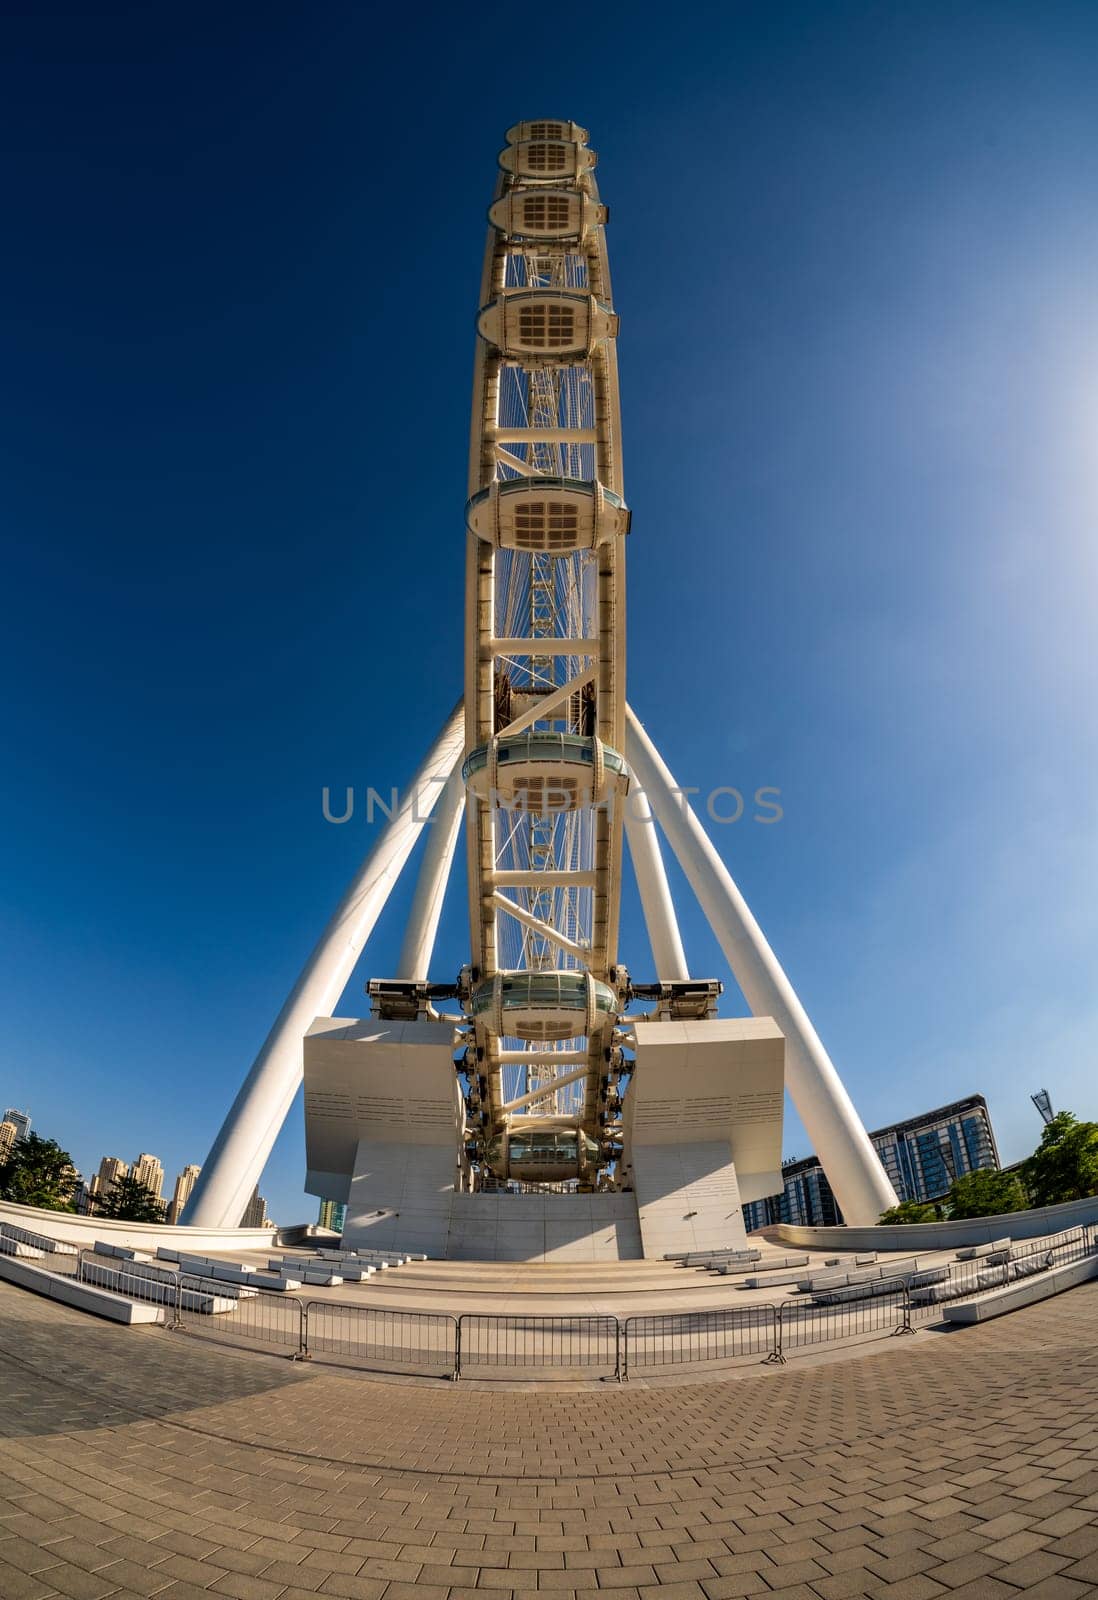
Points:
(240, 1151)
(831, 1122)
(434, 874)
(655, 892)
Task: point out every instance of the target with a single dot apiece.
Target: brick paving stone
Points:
(844, 1585)
(916, 1588)
(985, 1589)
(893, 1569)
(19, 1586)
(1068, 1521)
(899, 1544)
(145, 1466)
(1016, 1545)
(1083, 1542)
(79, 1584)
(1031, 1569)
(852, 1559)
(1059, 1588)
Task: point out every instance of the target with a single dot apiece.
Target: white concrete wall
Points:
(84, 1231)
(919, 1236)
(687, 1198)
(400, 1197)
(544, 1227)
(374, 1082)
(383, 1127)
(703, 1128)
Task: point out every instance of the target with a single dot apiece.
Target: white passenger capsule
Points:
(546, 128)
(545, 773)
(547, 214)
(547, 159)
(550, 515)
(544, 1005)
(553, 324)
(542, 1150)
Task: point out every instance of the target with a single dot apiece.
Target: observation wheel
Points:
(544, 767)
(543, 1078)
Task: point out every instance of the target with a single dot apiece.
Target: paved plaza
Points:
(150, 1463)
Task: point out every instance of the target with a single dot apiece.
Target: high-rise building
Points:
(183, 1186)
(255, 1212)
(110, 1170)
(921, 1156)
(332, 1215)
(148, 1170)
(9, 1135)
(21, 1120)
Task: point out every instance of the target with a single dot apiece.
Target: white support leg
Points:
(434, 874)
(240, 1151)
(849, 1160)
(655, 892)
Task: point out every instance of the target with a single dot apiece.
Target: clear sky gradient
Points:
(853, 249)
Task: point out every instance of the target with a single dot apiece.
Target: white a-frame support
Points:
(852, 1166)
(248, 1133)
(655, 891)
(434, 874)
(240, 1150)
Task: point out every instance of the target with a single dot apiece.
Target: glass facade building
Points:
(332, 1215)
(21, 1120)
(922, 1157)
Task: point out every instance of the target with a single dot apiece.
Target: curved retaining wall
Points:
(1024, 1293)
(919, 1236)
(84, 1231)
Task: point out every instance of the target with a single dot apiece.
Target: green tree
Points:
(910, 1211)
(38, 1173)
(986, 1193)
(130, 1200)
(1064, 1165)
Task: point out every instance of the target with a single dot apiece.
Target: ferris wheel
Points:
(544, 673)
(558, 1069)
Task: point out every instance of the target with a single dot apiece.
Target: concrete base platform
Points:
(544, 1228)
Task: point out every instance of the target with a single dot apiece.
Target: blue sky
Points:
(853, 251)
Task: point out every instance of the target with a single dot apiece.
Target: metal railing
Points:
(522, 1346)
(382, 1340)
(260, 1321)
(820, 1319)
(981, 1275)
(678, 1338)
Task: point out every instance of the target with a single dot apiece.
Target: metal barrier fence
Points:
(484, 1345)
(679, 1338)
(258, 1322)
(588, 1344)
(381, 1340)
(1071, 1245)
(807, 1320)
